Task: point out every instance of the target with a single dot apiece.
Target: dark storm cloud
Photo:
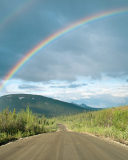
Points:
(7, 61)
(23, 32)
(91, 55)
(89, 51)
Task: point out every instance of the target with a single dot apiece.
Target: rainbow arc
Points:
(55, 36)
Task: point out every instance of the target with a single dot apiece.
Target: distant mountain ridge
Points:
(84, 106)
(87, 108)
(39, 105)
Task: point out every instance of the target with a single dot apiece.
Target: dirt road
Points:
(63, 145)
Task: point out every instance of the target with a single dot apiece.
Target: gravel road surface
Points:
(63, 145)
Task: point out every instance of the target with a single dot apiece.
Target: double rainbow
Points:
(15, 13)
(55, 36)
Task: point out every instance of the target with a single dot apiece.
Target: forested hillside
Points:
(39, 105)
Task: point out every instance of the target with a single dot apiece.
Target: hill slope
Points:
(39, 105)
(110, 122)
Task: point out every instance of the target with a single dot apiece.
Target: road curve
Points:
(63, 145)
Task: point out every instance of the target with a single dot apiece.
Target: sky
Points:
(87, 65)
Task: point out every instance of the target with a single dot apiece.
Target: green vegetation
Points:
(14, 126)
(111, 122)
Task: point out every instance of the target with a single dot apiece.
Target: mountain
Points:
(87, 108)
(84, 106)
(39, 105)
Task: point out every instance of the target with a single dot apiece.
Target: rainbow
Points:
(15, 13)
(55, 36)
